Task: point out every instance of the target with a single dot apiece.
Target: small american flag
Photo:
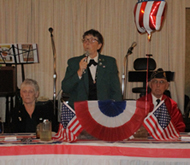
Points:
(69, 128)
(158, 123)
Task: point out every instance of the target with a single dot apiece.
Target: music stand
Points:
(19, 54)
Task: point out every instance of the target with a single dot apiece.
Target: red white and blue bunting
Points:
(110, 120)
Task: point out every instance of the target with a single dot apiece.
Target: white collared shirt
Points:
(92, 67)
(154, 100)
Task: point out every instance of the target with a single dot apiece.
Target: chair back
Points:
(141, 64)
(139, 75)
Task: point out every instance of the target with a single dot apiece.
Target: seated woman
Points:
(26, 116)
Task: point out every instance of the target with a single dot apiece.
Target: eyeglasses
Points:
(160, 82)
(90, 40)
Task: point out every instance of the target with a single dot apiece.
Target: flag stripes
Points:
(156, 125)
(149, 15)
(69, 128)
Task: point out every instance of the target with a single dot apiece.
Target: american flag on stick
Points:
(69, 128)
(158, 123)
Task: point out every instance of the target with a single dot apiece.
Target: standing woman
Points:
(26, 116)
(92, 76)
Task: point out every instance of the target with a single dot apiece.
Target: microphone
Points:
(86, 54)
(131, 48)
(50, 30)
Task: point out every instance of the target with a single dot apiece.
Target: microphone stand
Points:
(54, 67)
(125, 73)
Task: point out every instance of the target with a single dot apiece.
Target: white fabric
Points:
(141, 29)
(146, 16)
(92, 67)
(154, 100)
(108, 121)
(88, 153)
(88, 160)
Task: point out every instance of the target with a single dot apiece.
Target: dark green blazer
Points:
(108, 84)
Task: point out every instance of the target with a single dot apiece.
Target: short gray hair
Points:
(32, 83)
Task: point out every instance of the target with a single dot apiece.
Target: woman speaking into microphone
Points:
(92, 77)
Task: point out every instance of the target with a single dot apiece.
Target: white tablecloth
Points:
(96, 153)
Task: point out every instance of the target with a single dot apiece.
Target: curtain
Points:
(28, 21)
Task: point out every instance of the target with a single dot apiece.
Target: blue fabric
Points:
(66, 115)
(111, 108)
(162, 116)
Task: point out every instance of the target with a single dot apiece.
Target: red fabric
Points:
(107, 150)
(108, 133)
(141, 14)
(73, 128)
(175, 113)
(153, 14)
(151, 123)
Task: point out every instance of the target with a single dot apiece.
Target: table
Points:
(96, 152)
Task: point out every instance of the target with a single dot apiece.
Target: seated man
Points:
(158, 84)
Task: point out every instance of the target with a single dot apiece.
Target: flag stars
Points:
(163, 116)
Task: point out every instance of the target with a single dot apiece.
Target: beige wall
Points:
(187, 3)
(187, 53)
(187, 56)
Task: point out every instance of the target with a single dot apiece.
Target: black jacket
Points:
(21, 121)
